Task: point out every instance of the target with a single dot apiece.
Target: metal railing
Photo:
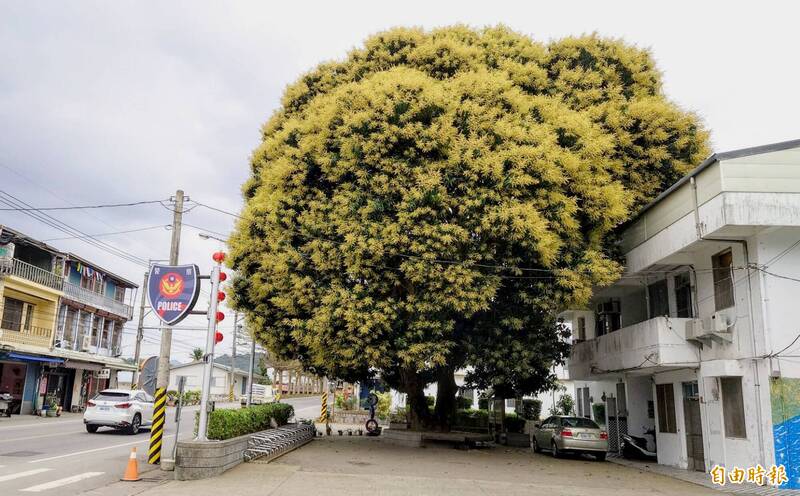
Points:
(85, 296)
(36, 336)
(30, 272)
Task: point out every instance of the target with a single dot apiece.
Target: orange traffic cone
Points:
(132, 471)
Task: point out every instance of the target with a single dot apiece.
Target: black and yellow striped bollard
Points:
(157, 430)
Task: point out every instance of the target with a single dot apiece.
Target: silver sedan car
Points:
(564, 434)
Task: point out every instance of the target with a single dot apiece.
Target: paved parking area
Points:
(367, 466)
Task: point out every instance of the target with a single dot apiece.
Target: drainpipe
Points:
(746, 252)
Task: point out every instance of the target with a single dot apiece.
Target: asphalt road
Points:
(58, 456)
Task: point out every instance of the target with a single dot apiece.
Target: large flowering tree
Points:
(429, 202)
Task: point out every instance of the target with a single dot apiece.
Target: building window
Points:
(723, 279)
(665, 397)
(659, 301)
(733, 407)
(587, 404)
(511, 403)
(580, 331)
(119, 294)
(683, 296)
(12, 314)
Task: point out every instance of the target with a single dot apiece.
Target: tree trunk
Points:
(418, 413)
(445, 411)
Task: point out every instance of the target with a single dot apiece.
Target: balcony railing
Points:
(34, 336)
(87, 297)
(657, 342)
(30, 272)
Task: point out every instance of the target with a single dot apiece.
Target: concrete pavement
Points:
(58, 456)
(352, 466)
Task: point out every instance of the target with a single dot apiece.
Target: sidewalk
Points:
(702, 479)
(17, 421)
(353, 466)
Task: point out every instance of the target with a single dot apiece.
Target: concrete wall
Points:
(202, 460)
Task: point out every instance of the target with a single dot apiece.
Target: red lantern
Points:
(218, 337)
(218, 257)
(222, 276)
(220, 296)
(220, 316)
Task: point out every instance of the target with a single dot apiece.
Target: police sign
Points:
(173, 290)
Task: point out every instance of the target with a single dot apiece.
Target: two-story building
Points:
(699, 341)
(61, 325)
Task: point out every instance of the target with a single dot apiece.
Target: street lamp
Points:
(211, 236)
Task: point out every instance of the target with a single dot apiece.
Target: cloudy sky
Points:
(107, 102)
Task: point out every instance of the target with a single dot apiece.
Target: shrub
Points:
(227, 423)
(531, 409)
(431, 401)
(384, 405)
(191, 397)
(345, 404)
(599, 411)
(472, 419)
(483, 403)
(514, 423)
(463, 403)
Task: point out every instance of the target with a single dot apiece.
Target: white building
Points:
(220, 379)
(699, 338)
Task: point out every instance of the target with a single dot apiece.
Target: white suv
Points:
(120, 409)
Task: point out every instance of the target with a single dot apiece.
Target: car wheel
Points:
(600, 457)
(91, 429)
(135, 424)
(554, 450)
(534, 445)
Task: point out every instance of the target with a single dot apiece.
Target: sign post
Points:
(172, 291)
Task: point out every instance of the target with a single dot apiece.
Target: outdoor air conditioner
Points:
(694, 329)
(718, 322)
(86, 343)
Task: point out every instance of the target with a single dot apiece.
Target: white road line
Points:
(23, 474)
(146, 440)
(61, 482)
(36, 437)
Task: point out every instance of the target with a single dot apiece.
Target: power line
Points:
(67, 229)
(80, 207)
(150, 228)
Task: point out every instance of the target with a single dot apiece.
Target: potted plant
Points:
(398, 419)
(52, 407)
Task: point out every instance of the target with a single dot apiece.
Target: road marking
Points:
(23, 474)
(36, 437)
(61, 482)
(94, 450)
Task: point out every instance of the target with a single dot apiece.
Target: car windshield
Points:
(111, 396)
(578, 422)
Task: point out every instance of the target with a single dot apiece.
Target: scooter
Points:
(5, 404)
(635, 448)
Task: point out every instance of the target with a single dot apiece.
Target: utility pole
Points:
(162, 376)
(232, 372)
(250, 373)
(139, 332)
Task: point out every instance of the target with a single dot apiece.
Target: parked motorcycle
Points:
(5, 404)
(635, 448)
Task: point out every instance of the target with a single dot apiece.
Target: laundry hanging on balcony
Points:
(88, 272)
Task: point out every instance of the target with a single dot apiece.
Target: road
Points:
(58, 456)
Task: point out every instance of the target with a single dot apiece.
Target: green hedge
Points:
(226, 423)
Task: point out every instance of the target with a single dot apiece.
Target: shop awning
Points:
(31, 358)
(75, 364)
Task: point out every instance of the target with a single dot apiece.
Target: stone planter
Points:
(398, 425)
(518, 440)
(204, 459)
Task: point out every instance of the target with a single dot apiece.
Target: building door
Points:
(694, 427)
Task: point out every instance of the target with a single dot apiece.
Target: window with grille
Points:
(665, 399)
(733, 407)
(723, 279)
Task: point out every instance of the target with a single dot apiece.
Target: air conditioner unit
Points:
(86, 343)
(694, 329)
(718, 322)
(608, 307)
